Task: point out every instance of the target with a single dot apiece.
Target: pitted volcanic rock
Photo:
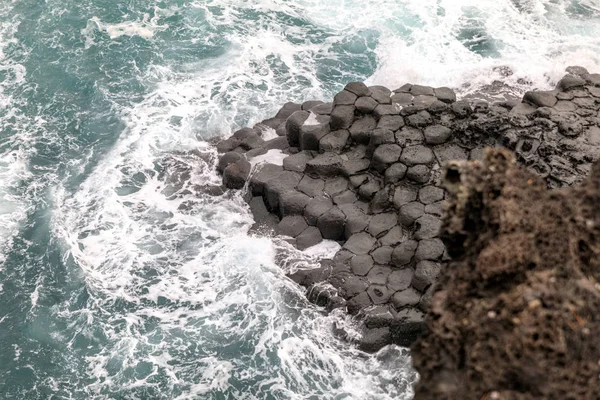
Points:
(515, 314)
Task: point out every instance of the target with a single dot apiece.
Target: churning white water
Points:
(138, 285)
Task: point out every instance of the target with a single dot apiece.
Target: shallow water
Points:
(116, 281)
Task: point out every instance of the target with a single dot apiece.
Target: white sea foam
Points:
(145, 28)
(191, 282)
(273, 156)
(187, 266)
(427, 42)
(311, 120)
(536, 41)
(269, 133)
(16, 147)
(325, 249)
(13, 207)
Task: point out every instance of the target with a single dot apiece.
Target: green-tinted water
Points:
(118, 283)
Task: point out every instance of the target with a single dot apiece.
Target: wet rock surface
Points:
(515, 314)
(365, 170)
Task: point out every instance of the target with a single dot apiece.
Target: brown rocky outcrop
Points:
(516, 313)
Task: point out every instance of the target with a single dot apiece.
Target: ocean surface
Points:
(117, 281)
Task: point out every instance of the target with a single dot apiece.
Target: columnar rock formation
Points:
(516, 315)
(365, 170)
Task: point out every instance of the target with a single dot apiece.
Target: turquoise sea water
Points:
(116, 280)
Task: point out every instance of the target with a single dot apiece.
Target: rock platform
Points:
(365, 170)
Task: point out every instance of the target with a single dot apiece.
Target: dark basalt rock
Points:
(390, 122)
(287, 110)
(324, 165)
(332, 224)
(292, 225)
(381, 223)
(410, 212)
(292, 203)
(445, 95)
(235, 175)
(227, 159)
(278, 185)
(228, 145)
(311, 134)
(356, 219)
(419, 90)
(361, 265)
(428, 227)
(410, 324)
(335, 186)
(404, 253)
(374, 187)
(311, 236)
(402, 99)
(380, 202)
(262, 176)
(322, 109)
(462, 109)
(414, 155)
(381, 94)
(425, 274)
(317, 207)
(263, 219)
(379, 294)
(311, 186)
(570, 82)
(418, 173)
(344, 98)
(355, 167)
(424, 101)
(360, 243)
(342, 117)
(437, 107)
(379, 137)
(385, 155)
(540, 99)
(308, 105)
(430, 194)
(400, 280)
(437, 134)
(406, 298)
(310, 277)
(404, 195)
(334, 141)
(379, 275)
(395, 173)
(279, 143)
(256, 152)
(366, 104)
(430, 249)
(297, 162)
(420, 119)
(292, 126)
(394, 236)
(358, 88)
(361, 129)
(385, 109)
